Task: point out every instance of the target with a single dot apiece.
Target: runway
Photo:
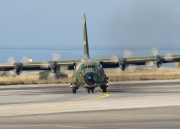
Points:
(126, 105)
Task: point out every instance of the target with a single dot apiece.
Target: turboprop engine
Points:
(17, 68)
(123, 64)
(54, 67)
(158, 61)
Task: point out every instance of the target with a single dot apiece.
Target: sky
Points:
(39, 28)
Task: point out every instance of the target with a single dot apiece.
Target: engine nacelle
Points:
(158, 61)
(123, 64)
(17, 68)
(54, 67)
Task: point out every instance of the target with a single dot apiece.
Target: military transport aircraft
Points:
(89, 73)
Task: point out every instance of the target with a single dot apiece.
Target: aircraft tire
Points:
(104, 89)
(74, 90)
(88, 90)
(92, 90)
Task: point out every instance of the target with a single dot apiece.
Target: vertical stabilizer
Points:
(86, 47)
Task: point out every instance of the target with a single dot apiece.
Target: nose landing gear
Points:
(90, 90)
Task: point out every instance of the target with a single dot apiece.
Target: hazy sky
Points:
(113, 24)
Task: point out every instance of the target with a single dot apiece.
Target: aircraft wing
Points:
(6, 67)
(114, 63)
(68, 65)
(163, 59)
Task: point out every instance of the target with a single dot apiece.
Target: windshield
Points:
(83, 66)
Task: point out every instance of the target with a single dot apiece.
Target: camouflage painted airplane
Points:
(89, 73)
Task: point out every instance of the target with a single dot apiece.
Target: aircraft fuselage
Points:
(89, 74)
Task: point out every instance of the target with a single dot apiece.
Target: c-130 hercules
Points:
(89, 73)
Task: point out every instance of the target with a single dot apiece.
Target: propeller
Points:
(17, 66)
(127, 54)
(53, 66)
(51, 76)
(154, 51)
(123, 63)
(168, 57)
(161, 69)
(132, 68)
(10, 60)
(159, 59)
(25, 59)
(117, 71)
(56, 57)
(24, 75)
(10, 73)
(149, 64)
(114, 59)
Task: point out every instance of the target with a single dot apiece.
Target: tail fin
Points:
(86, 48)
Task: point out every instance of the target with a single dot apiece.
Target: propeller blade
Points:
(24, 59)
(168, 57)
(117, 71)
(114, 59)
(51, 76)
(10, 73)
(11, 60)
(132, 68)
(127, 54)
(44, 65)
(161, 69)
(149, 64)
(154, 51)
(56, 57)
(24, 75)
(64, 68)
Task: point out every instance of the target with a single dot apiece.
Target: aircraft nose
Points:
(90, 78)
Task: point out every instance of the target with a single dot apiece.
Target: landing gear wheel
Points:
(88, 90)
(92, 90)
(74, 90)
(104, 89)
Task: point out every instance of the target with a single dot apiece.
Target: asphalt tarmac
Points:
(126, 105)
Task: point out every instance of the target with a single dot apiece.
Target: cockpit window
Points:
(82, 66)
(97, 66)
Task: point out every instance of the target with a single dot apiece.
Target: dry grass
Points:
(29, 78)
(145, 74)
(114, 75)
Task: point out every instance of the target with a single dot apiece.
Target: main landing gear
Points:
(90, 90)
(104, 88)
(74, 90)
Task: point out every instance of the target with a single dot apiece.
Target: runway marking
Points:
(45, 108)
(105, 95)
